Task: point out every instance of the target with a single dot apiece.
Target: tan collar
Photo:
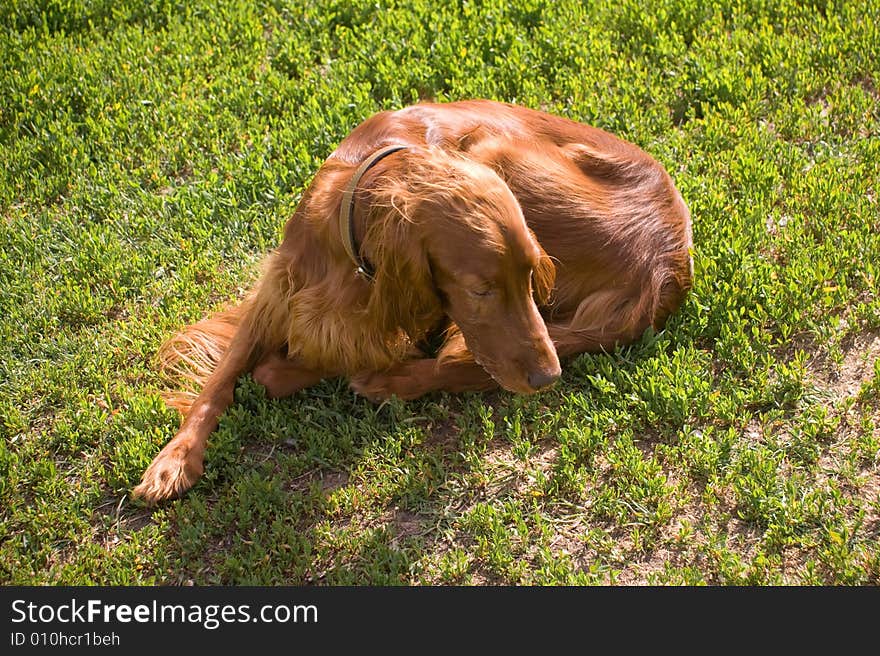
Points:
(346, 212)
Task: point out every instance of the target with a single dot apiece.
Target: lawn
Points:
(151, 153)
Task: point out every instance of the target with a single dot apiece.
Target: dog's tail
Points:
(189, 357)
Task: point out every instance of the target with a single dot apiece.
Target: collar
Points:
(346, 211)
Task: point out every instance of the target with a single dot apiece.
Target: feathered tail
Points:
(190, 357)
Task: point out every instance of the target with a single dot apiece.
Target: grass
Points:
(151, 154)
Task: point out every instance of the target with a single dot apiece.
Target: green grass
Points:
(151, 154)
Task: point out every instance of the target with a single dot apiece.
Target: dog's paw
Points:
(380, 386)
(375, 386)
(172, 472)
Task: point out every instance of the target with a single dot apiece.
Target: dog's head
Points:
(469, 254)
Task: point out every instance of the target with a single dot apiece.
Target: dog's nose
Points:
(543, 378)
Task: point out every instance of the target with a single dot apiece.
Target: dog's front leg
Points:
(411, 379)
(179, 465)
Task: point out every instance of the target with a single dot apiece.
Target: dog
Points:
(445, 246)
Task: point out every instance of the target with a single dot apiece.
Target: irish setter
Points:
(506, 237)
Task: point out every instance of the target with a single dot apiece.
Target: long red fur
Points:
(613, 239)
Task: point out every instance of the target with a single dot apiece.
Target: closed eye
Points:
(482, 293)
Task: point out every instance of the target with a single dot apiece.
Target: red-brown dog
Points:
(513, 236)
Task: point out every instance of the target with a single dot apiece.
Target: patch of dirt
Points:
(868, 85)
(406, 524)
(794, 561)
(125, 519)
(444, 434)
(859, 354)
(334, 480)
(646, 442)
(510, 474)
(329, 480)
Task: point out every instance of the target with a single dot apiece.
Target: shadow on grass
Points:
(327, 488)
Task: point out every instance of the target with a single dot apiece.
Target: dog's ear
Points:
(544, 277)
(403, 292)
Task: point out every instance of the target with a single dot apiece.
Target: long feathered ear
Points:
(403, 292)
(544, 277)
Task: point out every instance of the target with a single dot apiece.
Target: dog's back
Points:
(606, 211)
